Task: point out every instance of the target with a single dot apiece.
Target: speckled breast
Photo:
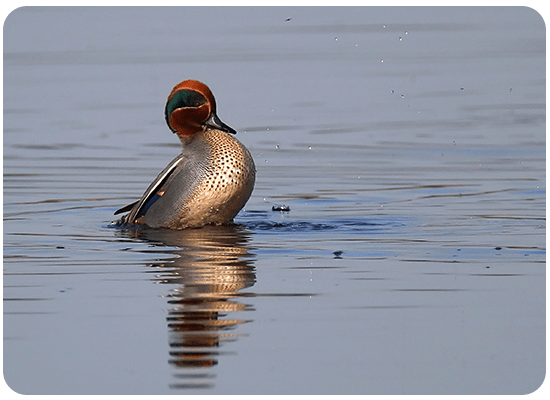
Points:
(226, 180)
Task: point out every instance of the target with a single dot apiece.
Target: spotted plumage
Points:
(212, 178)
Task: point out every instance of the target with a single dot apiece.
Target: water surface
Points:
(409, 145)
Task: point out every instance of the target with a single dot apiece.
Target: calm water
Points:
(409, 145)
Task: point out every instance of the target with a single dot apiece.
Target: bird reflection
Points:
(211, 266)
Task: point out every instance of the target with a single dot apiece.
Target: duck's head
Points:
(191, 108)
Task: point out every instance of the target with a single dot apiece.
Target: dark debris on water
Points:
(280, 207)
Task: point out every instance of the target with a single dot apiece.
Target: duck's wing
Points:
(126, 208)
(151, 195)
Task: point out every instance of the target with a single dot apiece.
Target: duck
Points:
(212, 178)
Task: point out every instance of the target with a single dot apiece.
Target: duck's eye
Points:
(185, 99)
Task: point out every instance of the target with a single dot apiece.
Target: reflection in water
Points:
(211, 265)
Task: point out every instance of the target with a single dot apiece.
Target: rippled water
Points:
(409, 145)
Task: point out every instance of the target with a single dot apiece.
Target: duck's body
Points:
(209, 182)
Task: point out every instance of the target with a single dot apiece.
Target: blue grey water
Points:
(408, 143)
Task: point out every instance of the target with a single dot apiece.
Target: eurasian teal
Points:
(212, 178)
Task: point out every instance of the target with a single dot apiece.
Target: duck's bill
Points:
(215, 122)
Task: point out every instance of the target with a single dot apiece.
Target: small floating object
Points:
(338, 253)
(280, 207)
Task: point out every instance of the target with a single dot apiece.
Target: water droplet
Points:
(381, 60)
(400, 39)
(406, 32)
(309, 147)
(392, 92)
(336, 38)
(277, 146)
(402, 96)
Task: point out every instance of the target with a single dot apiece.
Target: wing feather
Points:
(151, 194)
